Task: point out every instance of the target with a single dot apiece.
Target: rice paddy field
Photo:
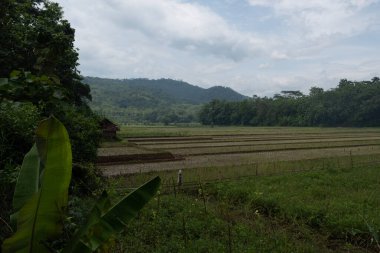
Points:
(227, 152)
(250, 189)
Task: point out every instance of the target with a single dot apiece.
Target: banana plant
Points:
(41, 193)
(41, 189)
(106, 220)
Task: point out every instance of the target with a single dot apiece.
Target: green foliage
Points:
(338, 203)
(179, 224)
(37, 49)
(17, 124)
(87, 180)
(39, 77)
(83, 127)
(350, 104)
(152, 101)
(142, 92)
(35, 37)
(22, 86)
(28, 181)
(18, 120)
(41, 196)
(39, 214)
(105, 221)
(330, 210)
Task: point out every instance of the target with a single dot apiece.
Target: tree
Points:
(38, 65)
(350, 104)
(315, 91)
(36, 38)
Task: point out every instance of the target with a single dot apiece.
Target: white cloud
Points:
(184, 26)
(264, 66)
(293, 45)
(318, 19)
(279, 55)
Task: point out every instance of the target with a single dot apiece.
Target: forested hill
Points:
(142, 92)
(351, 103)
(145, 100)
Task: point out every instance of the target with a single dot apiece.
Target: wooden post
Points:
(180, 178)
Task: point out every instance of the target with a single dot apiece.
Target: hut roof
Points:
(108, 125)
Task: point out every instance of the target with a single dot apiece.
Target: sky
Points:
(256, 47)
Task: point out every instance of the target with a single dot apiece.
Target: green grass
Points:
(343, 202)
(220, 173)
(312, 200)
(180, 224)
(331, 210)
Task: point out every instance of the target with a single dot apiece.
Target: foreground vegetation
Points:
(38, 78)
(332, 210)
(40, 201)
(310, 196)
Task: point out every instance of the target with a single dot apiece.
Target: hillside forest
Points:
(153, 101)
(351, 103)
(167, 101)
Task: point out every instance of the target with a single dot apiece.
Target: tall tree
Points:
(349, 104)
(36, 38)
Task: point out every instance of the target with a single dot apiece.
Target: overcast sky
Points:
(253, 46)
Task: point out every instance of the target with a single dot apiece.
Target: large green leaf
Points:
(104, 222)
(39, 219)
(27, 181)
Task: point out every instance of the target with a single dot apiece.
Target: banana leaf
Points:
(40, 218)
(27, 181)
(105, 222)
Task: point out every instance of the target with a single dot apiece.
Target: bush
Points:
(83, 128)
(86, 180)
(17, 124)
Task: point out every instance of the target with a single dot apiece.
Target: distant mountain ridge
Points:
(153, 101)
(143, 92)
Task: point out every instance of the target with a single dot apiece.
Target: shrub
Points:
(17, 124)
(83, 128)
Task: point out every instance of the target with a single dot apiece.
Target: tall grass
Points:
(328, 210)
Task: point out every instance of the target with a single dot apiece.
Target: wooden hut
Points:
(108, 129)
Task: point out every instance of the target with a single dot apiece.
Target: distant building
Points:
(108, 129)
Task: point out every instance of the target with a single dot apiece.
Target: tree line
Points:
(351, 103)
